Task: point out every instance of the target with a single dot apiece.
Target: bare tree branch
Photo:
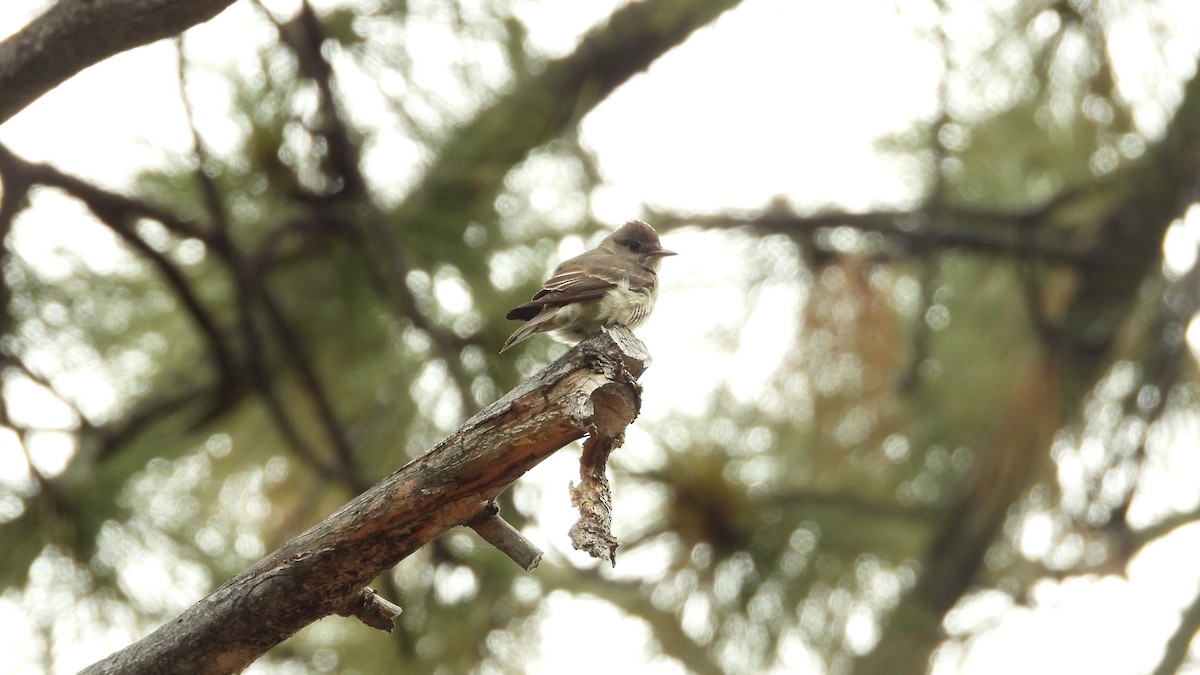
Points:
(325, 570)
(75, 34)
(508, 539)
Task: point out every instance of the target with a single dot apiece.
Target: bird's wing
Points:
(563, 287)
(578, 283)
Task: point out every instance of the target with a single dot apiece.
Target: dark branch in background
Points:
(1160, 186)
(44, 382)
(1178, 648)
(108, 438)
(304, 35)
(30, 173)
(473, 164)
(230, 390)
(116, 212)
(114, 437)
(12, 198)
(74, 34)
(1162, 366)
(119, 214)
(211, 196)
(326, 570)
(253, 292)
(289, 339)
(248, 291)
(979, 231)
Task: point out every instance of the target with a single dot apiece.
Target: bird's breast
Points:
(625, 305)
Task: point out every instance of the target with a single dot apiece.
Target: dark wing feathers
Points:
(573, 282)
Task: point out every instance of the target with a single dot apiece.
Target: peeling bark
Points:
(592, 389)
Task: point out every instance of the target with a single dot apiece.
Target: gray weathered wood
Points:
(592, 389)
(507, 539)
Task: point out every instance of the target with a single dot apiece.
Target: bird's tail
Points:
(537, 324)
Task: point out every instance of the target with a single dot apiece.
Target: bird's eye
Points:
(634, 246)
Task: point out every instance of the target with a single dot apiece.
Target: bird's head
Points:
(639, 242)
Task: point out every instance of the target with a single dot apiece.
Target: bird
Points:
(614, 283)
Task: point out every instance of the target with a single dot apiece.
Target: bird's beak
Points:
(661, 253)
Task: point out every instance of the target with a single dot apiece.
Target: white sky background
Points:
(779, 98)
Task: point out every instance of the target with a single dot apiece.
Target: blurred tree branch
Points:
(74, 34)
(925, 230)
(592, 390)
(1178, 647)
(471, 167)
(304, 35)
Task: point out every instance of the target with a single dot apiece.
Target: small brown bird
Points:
(614, 283)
